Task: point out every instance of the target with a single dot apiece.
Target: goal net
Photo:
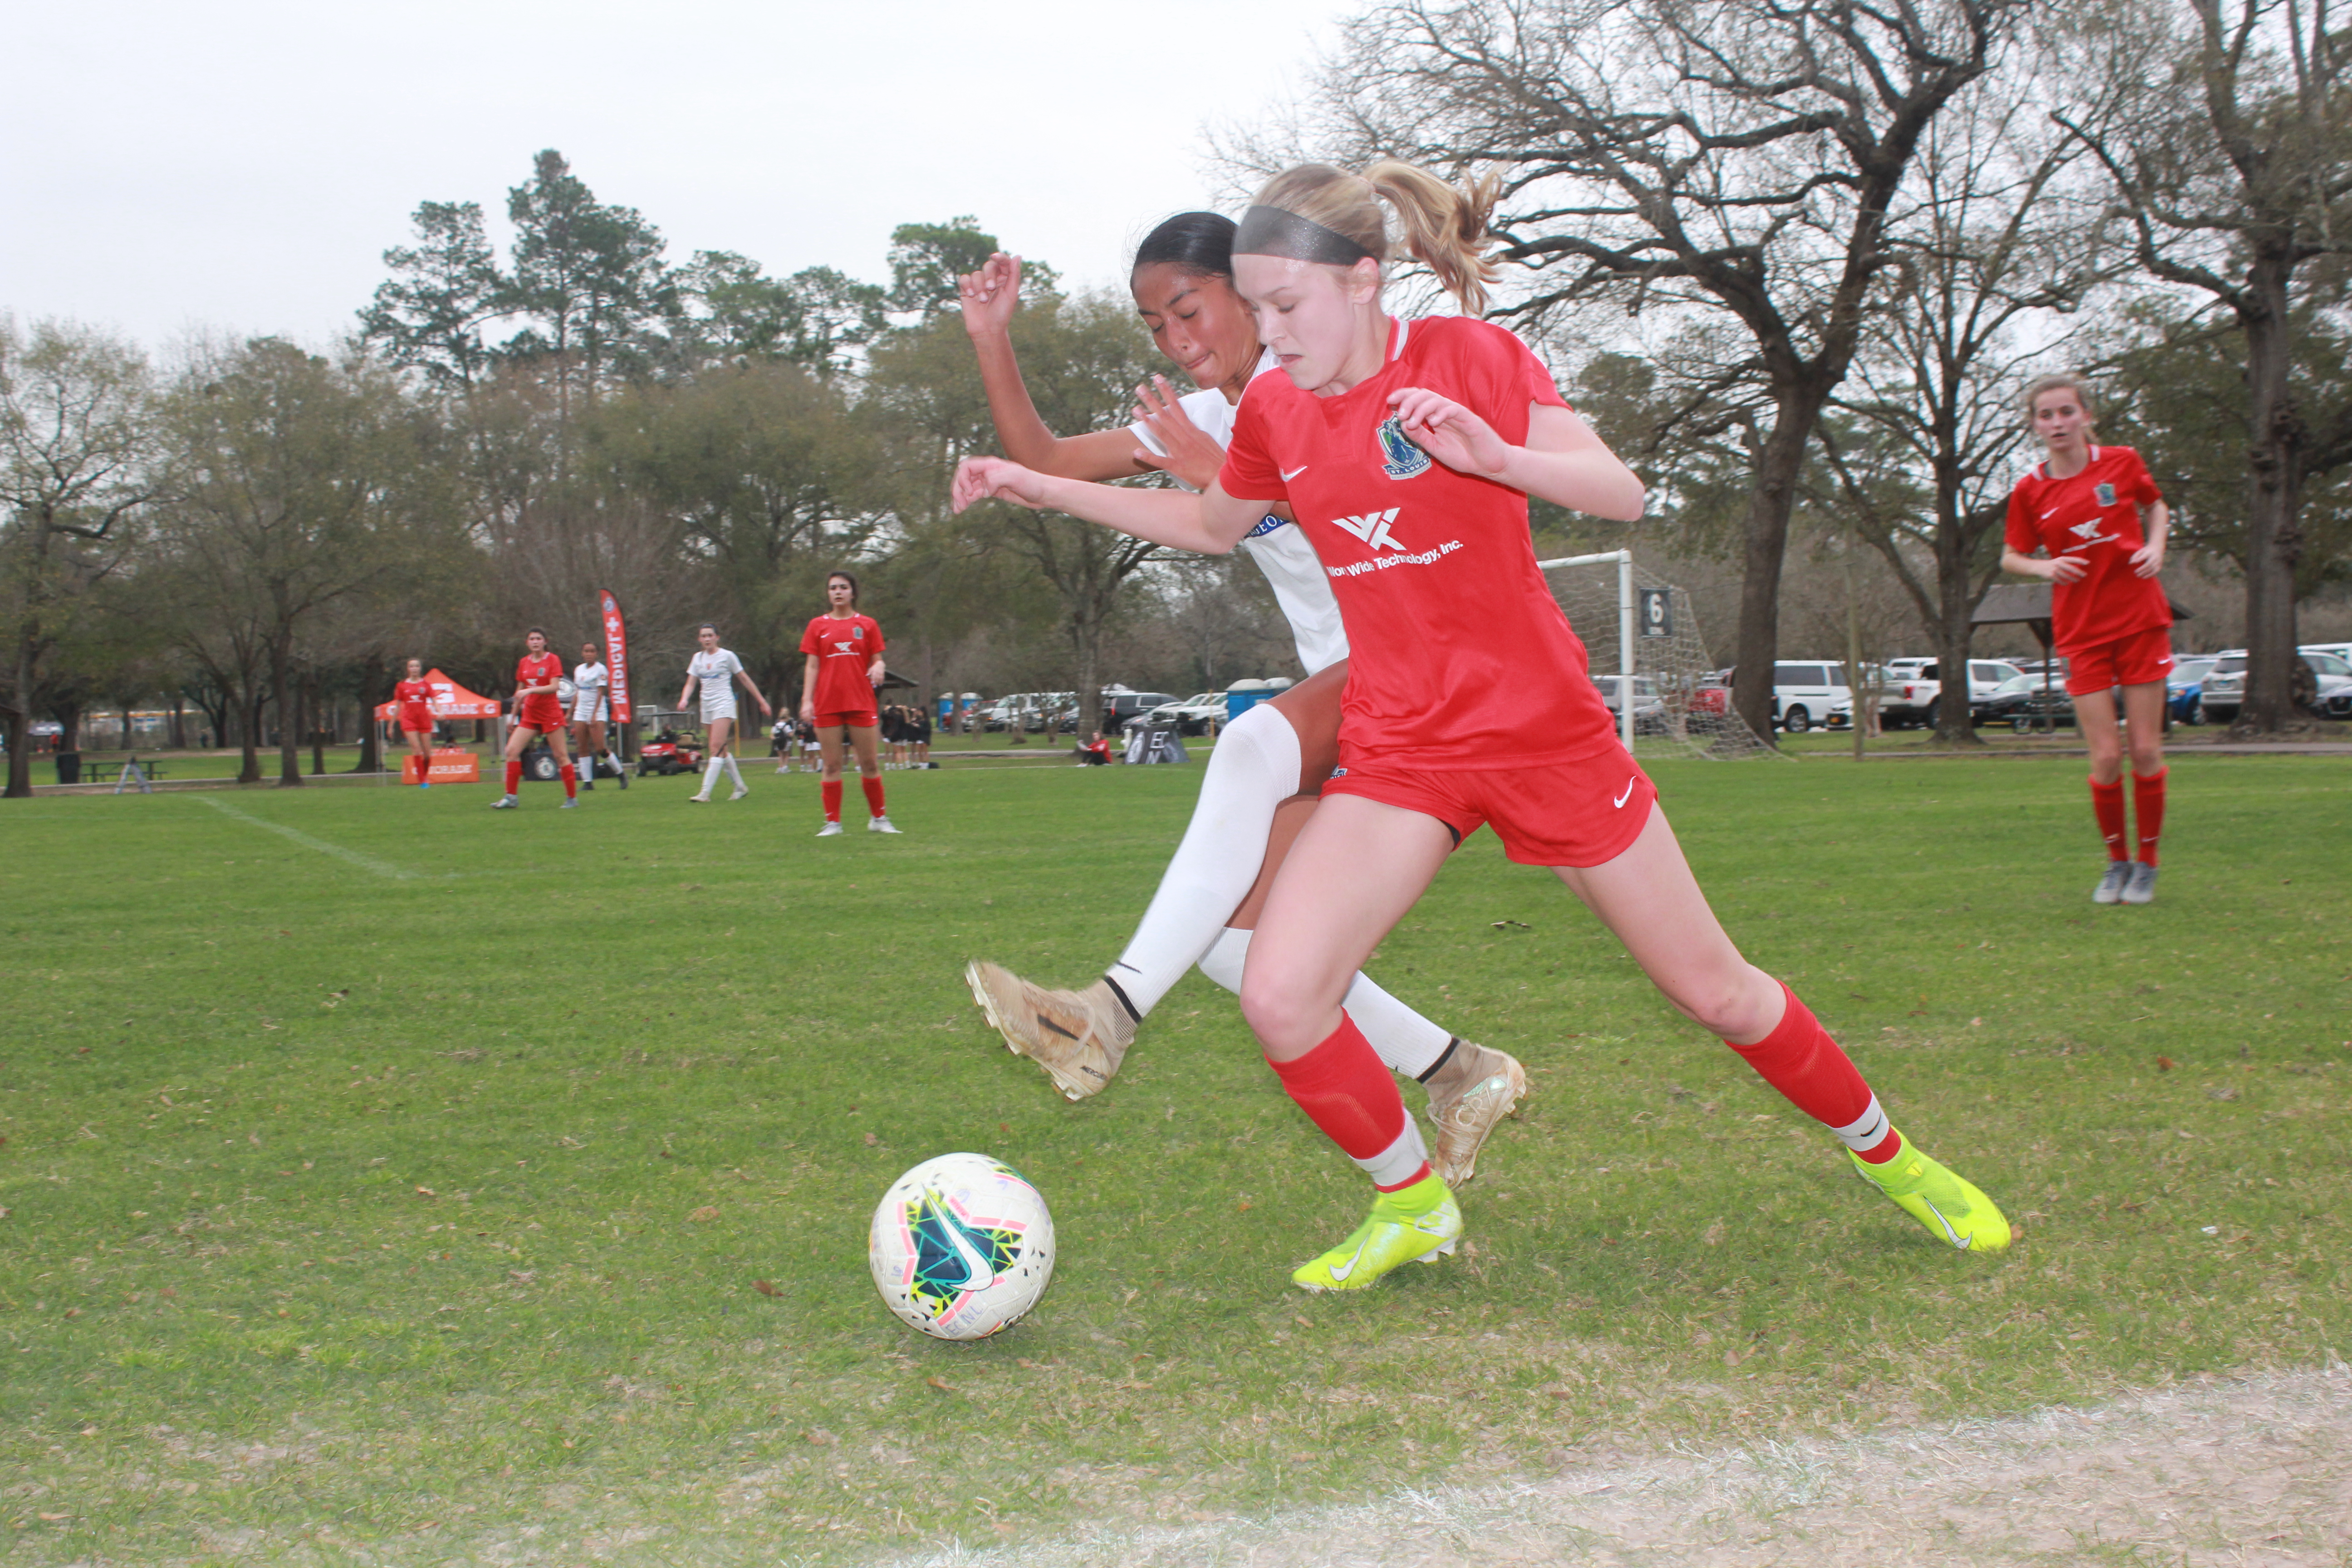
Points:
(1636, 624)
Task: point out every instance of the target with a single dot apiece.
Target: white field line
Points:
(364, 862)
(2239, 1470)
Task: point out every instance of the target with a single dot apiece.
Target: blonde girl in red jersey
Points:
(845, 666)
(2091, 521)
(538, 711)
(414, 695)
(1408, 451)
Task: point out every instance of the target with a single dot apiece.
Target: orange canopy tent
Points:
(450, 700)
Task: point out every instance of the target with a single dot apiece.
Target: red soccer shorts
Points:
(541, 713)
(1585, 812)
(854, 720)
(2132, 659)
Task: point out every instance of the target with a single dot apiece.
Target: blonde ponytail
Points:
(1444, 225)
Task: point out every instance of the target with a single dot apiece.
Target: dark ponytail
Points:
(1198, 243)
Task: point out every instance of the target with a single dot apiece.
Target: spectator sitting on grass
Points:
(1095, 753)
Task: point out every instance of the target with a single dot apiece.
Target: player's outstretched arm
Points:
(2156, 523)
(1563, 461)
(685, 691)
(749, 685)
(990, 297)
(1210, 523)
(2066, 569)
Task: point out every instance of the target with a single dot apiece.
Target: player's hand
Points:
(2069, 569)
(1450, 433)
(1194, 455)
(990, 294)
(808, 710)
(2148, 558)
(982, 478)
(765, 710)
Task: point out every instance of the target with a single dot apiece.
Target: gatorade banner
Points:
(448, 764)
(616, 654)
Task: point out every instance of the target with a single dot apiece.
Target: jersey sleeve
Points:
(1250, 472)
(1512, 375)
(2139, 487)
(876, 627)
(2020, 534)
(809, 643)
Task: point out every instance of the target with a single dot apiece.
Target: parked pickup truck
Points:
(1917, 699)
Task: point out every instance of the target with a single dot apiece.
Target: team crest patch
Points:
(1400, 459)
(2107, 494)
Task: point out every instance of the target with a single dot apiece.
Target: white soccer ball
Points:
(565, 691)
(962, 1247)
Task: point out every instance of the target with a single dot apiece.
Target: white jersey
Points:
(717, 672)
(1280, 549)
(588, 683)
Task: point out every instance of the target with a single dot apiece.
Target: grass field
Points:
(387, 1178)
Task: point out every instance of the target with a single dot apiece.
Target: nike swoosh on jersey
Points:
(1295, 472)
(1620, 802)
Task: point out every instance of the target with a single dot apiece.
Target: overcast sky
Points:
(242, 165)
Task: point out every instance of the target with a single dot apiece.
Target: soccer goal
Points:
(1654, 673)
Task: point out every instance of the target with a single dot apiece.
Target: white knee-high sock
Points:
(1253, 770)
(732, 771)
(710, 775)
(1409, 1044)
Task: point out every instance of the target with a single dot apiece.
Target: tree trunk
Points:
(20, 728)
(249, 740)
(1766, 531)
(372, 673)
(1955, 632)
(2274, 539)
(1086, 637)
(317, 715)
(289, 719)
(68, 726)
(179, 723)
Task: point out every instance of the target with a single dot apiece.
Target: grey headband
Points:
(1272, 231)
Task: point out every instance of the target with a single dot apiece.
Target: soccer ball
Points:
(564, 692)
(962, 1247)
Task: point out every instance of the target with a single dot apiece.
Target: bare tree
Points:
(2234, 170)
(1736, 157)
(76, 464)
(1993, 238)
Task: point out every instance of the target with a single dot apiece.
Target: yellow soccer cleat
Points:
(1393, 1234)
(1948, 1205)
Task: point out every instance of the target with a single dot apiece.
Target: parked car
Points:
(1919, 696)
(1649, 707)
(1804, 692)
(2020, 701)
(2184, 687)
(1194, 715)
(1118, 707)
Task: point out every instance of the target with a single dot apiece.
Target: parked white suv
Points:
(1804, 692)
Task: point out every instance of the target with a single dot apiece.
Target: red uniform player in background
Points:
(845, 666)
(2100, 523)
(538, 711)
(415, 696)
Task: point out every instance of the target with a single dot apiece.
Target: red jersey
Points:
(415, 697)
(542, 712)
(845, 650)
(1461, 658)
(2092, 516)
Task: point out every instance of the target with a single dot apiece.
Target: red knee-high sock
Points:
(831, 790)
(1345, 1090)
(1800, 1060)
(2147, 806)
(570, 774)
(873, 788)
(2107, 805)
(514, 776)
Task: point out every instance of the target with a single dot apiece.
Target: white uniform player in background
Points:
(591, 708)
(717, 672)
(1268, 764)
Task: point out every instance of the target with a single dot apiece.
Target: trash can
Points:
(69, 767)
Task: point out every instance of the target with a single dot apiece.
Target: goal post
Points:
(1658, 676)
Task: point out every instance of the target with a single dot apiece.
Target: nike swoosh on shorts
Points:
(1620, 802)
